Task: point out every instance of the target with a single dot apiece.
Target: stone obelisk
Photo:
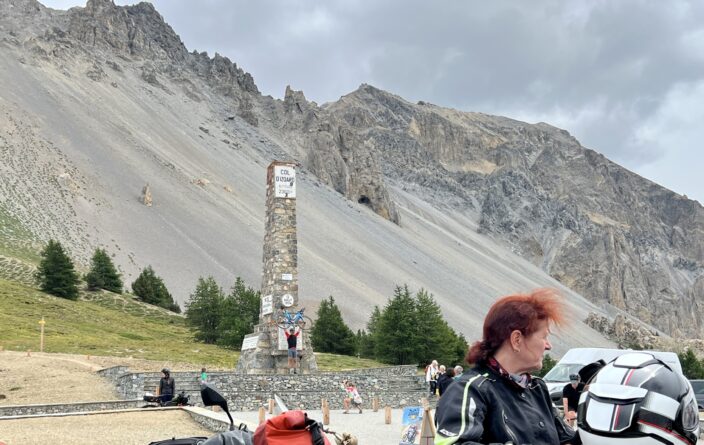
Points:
(265, 351)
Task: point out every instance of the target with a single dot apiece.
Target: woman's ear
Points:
(516, 339)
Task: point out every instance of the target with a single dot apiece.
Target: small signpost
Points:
(427, 431)
(41, 335)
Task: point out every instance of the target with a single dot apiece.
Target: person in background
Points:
(431, 372)
(292, 340)
(444, 380)
(203, 376)
(167, 386)
(458, 372)
(498, 401)
(351, 397)
(570, 398)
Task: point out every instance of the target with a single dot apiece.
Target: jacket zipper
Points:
(508, 429)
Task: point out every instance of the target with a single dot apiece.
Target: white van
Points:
(576, 358)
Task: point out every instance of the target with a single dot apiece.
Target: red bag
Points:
(290, 428)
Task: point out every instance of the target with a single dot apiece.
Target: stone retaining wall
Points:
(63, 408)
(395, 386)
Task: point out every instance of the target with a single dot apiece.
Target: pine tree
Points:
(56, 274)
(330, 333)
(691, 366)
(437, 340)
(240, 312)
(367, 340)
(150, 288)
(548, 364)
(204, 310)
(397, 338)
(102, 274)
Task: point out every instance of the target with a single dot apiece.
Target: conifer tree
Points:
(103, 274)
(437, 340)
(204, 310)
(367, 340)
(150, 288)
(330, 333)
(397, 337)
(691, 366)
(240, 312)
(56, 274)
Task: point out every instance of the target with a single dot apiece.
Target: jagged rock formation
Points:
(133, 99)
(626, 333)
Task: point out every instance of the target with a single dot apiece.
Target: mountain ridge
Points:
(198, 128)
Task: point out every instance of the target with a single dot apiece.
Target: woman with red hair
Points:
(498, 401)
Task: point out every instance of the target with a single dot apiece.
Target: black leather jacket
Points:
(482, 407)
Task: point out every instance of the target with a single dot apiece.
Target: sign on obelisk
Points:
(265, 351)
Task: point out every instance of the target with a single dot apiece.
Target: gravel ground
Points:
(133, 428)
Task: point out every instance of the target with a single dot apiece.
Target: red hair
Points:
(522, 312)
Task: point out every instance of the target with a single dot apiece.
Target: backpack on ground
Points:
(290, 428)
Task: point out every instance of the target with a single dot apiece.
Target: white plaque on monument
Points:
(283, 345)
(287, 276)
(284, 181)
(250, 342)
(267, 304)
(287, 300)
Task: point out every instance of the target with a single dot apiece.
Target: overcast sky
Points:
(625, 77)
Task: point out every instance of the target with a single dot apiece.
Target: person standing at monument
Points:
(292, 340)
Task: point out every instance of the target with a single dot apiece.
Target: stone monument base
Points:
(265, 352)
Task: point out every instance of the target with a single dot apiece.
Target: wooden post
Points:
(41, 335)
(427, 429)
(387, 415)
(271, 406)
(375, 404)
(262, 415)
(29, 352)
(424, 403)
(326, 412)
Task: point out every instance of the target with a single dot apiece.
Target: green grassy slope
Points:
(114, 325)
(19, 249)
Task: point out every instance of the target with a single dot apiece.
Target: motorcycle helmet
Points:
(638, 399)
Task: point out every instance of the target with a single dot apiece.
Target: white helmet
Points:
(638, 399)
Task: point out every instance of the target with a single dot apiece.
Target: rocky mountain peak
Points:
(295, 101)
(137, 30)
(95, 5)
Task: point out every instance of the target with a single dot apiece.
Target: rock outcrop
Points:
(146, 197)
